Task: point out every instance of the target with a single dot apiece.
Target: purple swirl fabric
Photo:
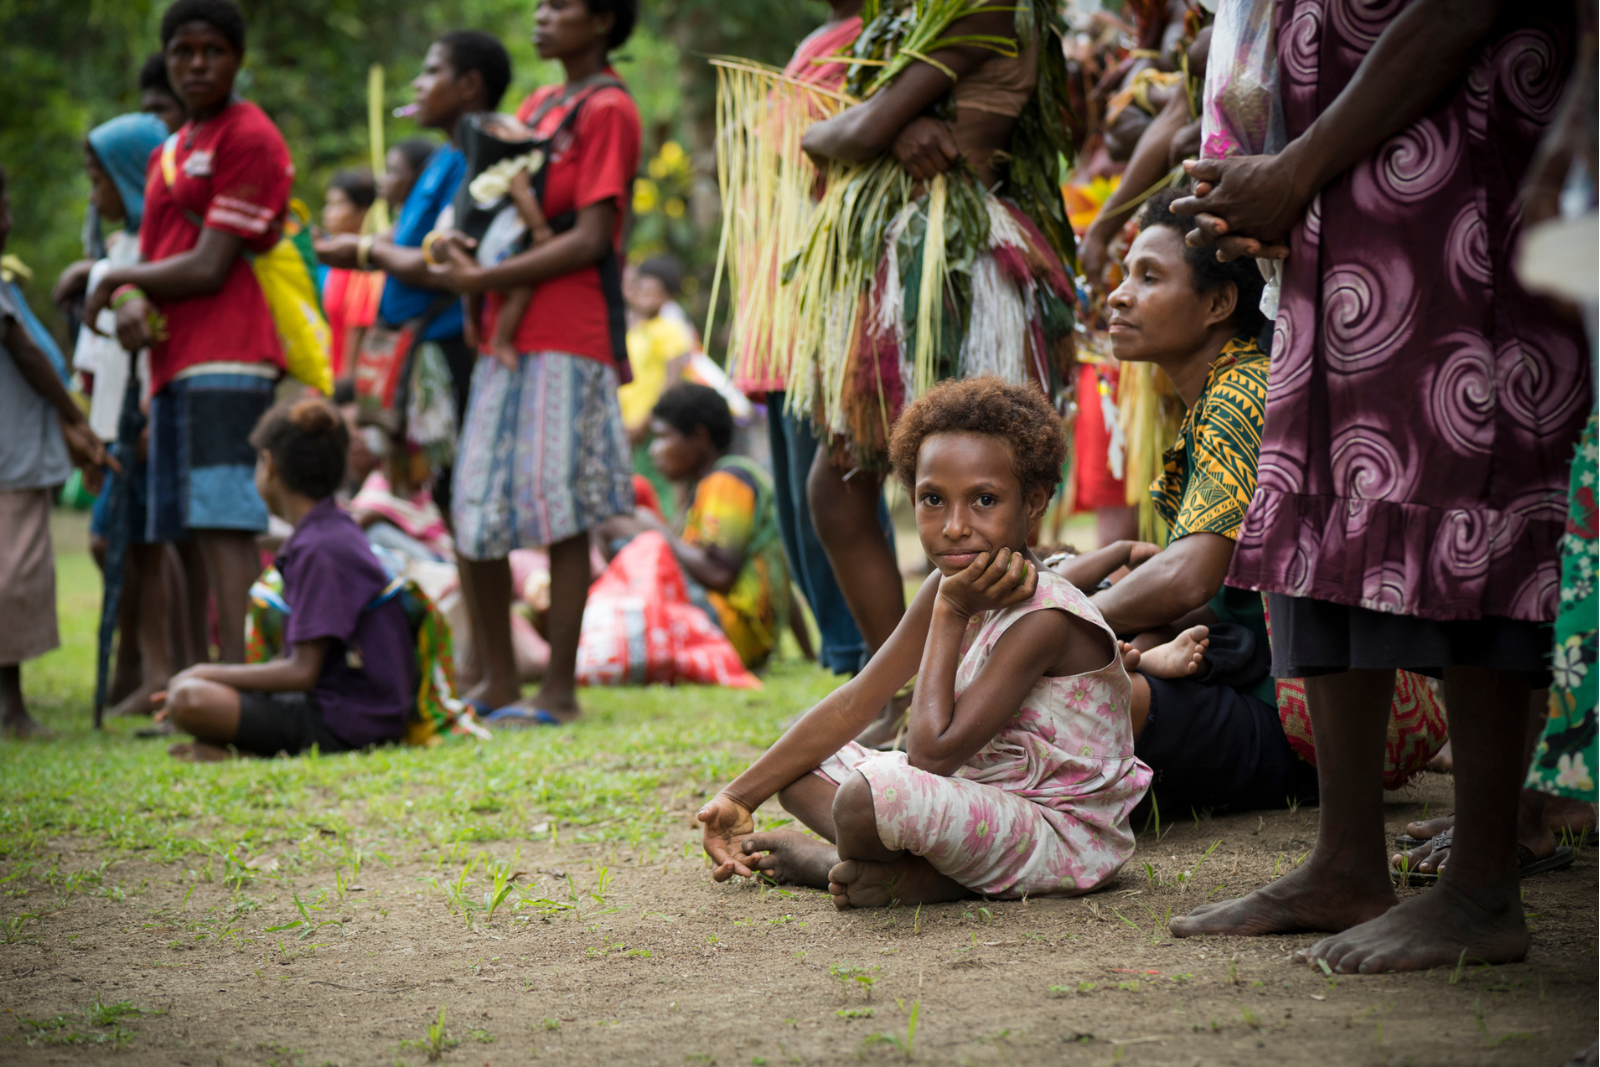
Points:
(1422, 407)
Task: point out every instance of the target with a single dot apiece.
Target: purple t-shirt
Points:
(369, 674)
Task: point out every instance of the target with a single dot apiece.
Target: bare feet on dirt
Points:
(791, 857)
(1305, 899)
(1181, 657)
(1438, 928)
(912, 880)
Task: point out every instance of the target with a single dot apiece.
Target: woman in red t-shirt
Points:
(215, 192)
(543, 456)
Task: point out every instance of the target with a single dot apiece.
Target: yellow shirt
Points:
(652, 346)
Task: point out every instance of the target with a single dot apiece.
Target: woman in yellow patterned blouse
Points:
(1207, 715)
(726, 535)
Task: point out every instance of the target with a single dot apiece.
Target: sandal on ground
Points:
(517, 715)
(1405, 842)
(1528, 866)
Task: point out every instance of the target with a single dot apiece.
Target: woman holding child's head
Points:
(543, 472)
(345, 678)
(1177, 306)
(1018, 773)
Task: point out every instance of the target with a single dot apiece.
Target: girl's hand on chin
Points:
(992, 581)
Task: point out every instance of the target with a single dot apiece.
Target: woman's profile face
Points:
(563, 28)
(201, 65)
(1156, 315)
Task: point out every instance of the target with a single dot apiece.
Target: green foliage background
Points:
(69, 64)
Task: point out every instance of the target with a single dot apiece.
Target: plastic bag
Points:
(1241, 113)
(640, 629)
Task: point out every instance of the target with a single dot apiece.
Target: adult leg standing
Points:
(1365, 343)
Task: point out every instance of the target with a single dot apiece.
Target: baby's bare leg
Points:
(511, 312)
(1182, 657)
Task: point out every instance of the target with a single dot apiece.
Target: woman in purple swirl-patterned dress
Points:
(1420, 420)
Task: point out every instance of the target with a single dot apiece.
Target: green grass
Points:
(611, 778)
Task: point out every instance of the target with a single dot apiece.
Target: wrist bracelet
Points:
(428, 242)
(363, 251)
(124, 293)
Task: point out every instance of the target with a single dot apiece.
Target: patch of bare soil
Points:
(657, 965)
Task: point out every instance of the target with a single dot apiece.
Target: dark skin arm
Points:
(296, 673)
(197, 272)
(88, 451)
(1176, 581)
(586, 243)
(1090, 569)
(1247, 205)
(893, 118)
(712, 566)
(398, 261)
(1146, 166)
(818, 734)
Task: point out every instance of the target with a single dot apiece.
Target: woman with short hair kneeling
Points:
(348, 675)
(1019, 773)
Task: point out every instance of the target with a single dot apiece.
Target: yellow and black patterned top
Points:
(1209, 474)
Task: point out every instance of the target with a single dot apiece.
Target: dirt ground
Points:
(624, 963)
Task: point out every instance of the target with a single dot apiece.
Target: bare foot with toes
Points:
(1183, 656)
(791, 858)
(910, 880)
(1438, 928)
(1304, 899)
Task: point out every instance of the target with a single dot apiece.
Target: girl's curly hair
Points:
(991, 406)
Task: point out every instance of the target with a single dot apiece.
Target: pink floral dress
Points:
(1044, 806)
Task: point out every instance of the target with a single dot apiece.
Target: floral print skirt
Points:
(1565, 761)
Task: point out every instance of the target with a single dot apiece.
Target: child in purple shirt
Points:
(348, 676)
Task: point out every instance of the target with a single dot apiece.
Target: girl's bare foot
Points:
(1304, 899)
(1181, 657)
(911, 880)
(791, 857)
(1433, 929)
(1443, 761)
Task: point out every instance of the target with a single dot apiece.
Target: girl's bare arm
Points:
(842, 714)
(296, 673)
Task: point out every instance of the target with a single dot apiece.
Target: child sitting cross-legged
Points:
(348, 675)
(1019, 773)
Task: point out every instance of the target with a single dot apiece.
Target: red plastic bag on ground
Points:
(639, 627)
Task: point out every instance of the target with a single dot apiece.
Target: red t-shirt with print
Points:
(232, 171)
(593, 161)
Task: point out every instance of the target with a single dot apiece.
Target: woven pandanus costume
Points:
(861, 287)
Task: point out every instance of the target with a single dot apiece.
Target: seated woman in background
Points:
(726, 535)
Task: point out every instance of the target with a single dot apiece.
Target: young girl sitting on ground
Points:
(348, 677)
(1019, 773)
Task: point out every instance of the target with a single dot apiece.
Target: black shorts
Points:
(1313, 637)
(1213, 746)
(291, 723)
